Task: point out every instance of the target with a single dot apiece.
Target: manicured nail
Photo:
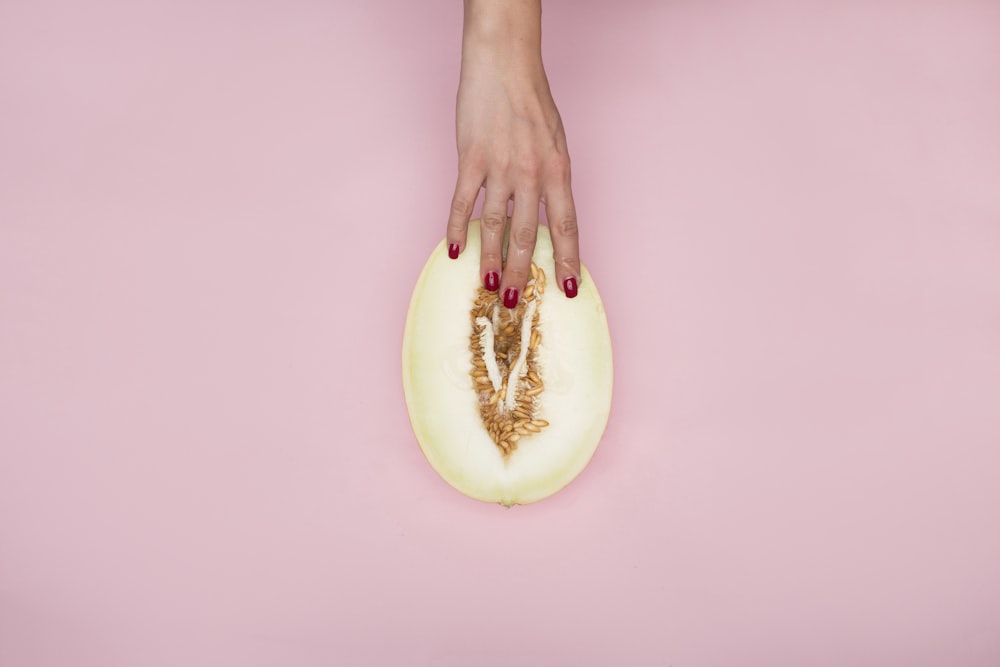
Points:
(453, 250)
(510, 297)
(492, 281)
(569, 286)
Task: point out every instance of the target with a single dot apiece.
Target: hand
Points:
(511, 139)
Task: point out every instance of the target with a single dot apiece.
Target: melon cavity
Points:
(504, 367)
(507, 405)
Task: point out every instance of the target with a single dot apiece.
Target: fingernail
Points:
(492, 281)
(569, 286)
(453, 250)
(510, 297)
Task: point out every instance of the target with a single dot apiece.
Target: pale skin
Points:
(511, 142)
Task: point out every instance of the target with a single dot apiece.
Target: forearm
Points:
(504, 35)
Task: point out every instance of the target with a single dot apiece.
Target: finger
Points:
(466, 192)
(561, 212)
(491, 226)
(520, 246)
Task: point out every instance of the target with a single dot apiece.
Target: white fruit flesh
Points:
(574, 358)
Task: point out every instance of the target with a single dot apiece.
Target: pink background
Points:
(793, 213)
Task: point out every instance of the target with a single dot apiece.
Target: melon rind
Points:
(576, 366)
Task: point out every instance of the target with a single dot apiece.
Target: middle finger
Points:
(520, 247)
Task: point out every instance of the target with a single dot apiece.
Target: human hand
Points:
(511, 140)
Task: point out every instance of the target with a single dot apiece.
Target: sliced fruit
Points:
(508, 405)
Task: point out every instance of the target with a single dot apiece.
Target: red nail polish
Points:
(492, 281)
(453, 250)
(569, 286)
(510, 297)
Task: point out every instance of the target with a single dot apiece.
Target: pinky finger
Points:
(466, 192)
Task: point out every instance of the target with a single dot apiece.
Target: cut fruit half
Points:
(508, 405)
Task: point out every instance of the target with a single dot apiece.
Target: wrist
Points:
(503, 34)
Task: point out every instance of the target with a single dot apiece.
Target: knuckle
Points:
(461, 206)
(472, 159)
(490, 259)
(515, 275)
(530, 167)
(493, 222)
(567, 226)
(567, 265)
(560, 166)
(524, 237)
(500, 162)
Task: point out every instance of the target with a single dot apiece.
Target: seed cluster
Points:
(507, 426)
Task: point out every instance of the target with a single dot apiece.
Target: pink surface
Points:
(211, 216)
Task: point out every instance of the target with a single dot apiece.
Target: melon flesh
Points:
(574, 360)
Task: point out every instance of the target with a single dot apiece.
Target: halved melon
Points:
(508, 406)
